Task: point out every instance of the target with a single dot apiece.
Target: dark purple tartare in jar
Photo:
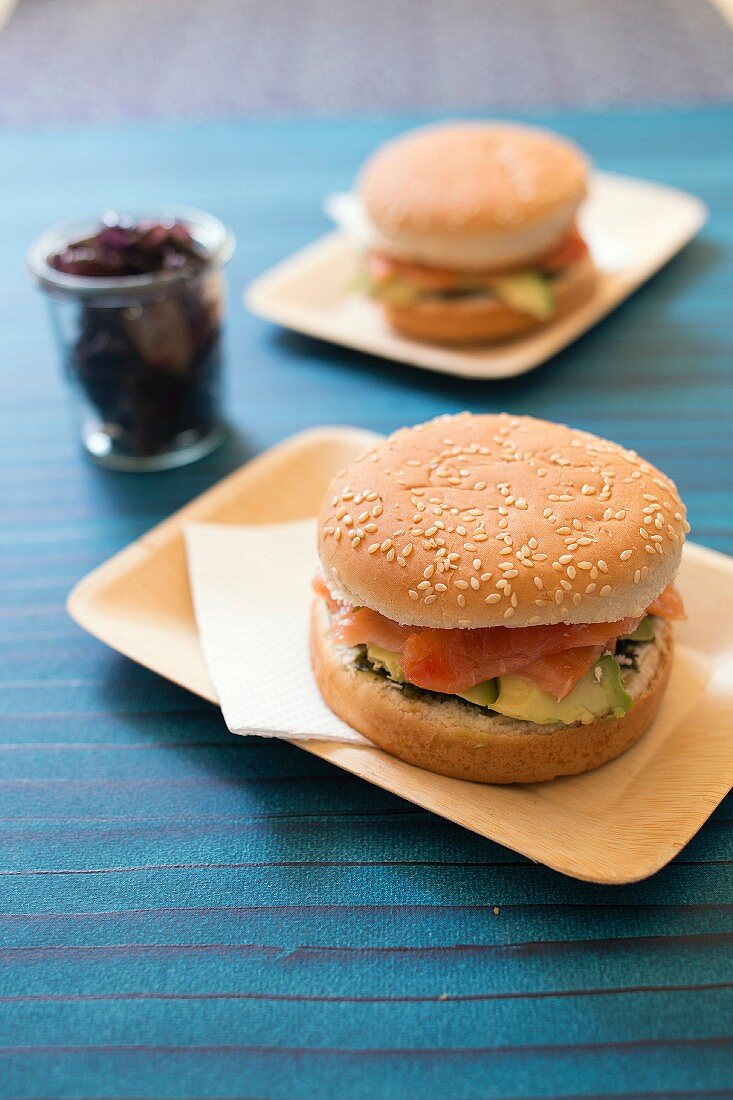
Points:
(137, 303)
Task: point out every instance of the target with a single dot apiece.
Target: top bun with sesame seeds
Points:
(476, 196)
(496, 520)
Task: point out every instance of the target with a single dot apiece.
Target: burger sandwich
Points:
(472, 231)
(496, 597)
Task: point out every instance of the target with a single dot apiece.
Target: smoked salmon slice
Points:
(554, 658)
(668, 605)
(455, 660)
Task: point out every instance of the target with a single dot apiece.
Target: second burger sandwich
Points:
(473, 231)
(496, 597)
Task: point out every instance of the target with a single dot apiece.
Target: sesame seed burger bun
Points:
(481, 319)
(496, 520)
(473, 195)
(448, 736)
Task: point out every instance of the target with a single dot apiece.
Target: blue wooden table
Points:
(188, 915)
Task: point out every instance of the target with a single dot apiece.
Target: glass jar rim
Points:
(216, 240)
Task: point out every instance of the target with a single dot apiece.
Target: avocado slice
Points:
(482, 695)
(600, 693)
(643, 633)
(527, 292)
(395, 291)
(388, 660)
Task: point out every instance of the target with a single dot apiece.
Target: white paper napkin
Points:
(252, 594)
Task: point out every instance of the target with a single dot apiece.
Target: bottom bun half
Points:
(483, 319)
(454, 738)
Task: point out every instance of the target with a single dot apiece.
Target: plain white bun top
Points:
(472, 195)
(495, 520)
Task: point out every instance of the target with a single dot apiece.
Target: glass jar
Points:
(142, 352)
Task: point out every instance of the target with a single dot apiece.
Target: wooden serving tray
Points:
(617, 824)
(632, 226)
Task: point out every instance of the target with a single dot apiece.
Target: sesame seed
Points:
(602, 565)
(625, 555)
(428, 572)
(571, 572)
(462, 584)
(423, 586)
(538, 583)
(413, 594)
(377, 511)
(509, 613)
(440, 587)
(590, 588)
(566, 585)
(476, 563)
(559, 596)
(430, 599)
(565, 559)
(407, 550)
(493, 598)
(576, 598)
(461, 600)
(606, 590)
(373, 548)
